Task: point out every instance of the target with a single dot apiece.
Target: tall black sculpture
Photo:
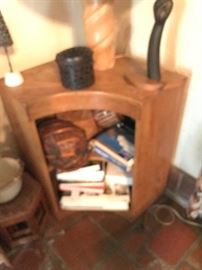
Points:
(162, 9)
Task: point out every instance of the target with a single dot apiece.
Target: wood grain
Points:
(155, 106)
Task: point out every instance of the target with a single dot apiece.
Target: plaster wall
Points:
(39, 29)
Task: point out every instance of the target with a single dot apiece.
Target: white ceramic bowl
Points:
(11, 171)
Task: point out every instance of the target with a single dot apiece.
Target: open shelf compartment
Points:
(93, 181)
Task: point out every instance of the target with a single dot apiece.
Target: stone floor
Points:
(106, 241)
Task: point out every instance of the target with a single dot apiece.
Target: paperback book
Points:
(96, 202)
(79, 188)
(94, 171)
(114, 175)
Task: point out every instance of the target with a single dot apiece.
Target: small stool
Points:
(23, 218)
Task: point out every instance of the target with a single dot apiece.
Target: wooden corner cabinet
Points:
(156, 108)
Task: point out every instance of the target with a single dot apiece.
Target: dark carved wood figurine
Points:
(162, 9)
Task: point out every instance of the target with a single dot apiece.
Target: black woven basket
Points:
(76, 67)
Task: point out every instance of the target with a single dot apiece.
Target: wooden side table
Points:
(23, 218)
(155, 106)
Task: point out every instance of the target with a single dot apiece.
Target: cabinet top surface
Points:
(127, 79)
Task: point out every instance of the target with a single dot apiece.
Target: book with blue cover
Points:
(114, 145)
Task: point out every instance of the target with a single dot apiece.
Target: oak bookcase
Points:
(156, 107)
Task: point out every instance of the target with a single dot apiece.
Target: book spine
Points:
(123, 207)
(96, 176)
(96, 143)
(68, 187)
(68, 202)
(113, 180)
(111, 159)
(97, 199)
(77, 191)
(91, 168)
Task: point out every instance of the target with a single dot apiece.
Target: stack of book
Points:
(86, 180)
(103, 184)
(115, 145)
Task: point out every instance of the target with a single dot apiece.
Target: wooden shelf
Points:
(155, 106)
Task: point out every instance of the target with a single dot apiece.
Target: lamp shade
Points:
(5, 37)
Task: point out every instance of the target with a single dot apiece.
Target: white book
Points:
(93, 176)
(120, 206)
(93, 202)
(93, 167)
(95, 199)
(114, 175)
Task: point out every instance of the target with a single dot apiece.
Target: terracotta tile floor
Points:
(106, 241)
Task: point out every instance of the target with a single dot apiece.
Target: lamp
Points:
(12, 78)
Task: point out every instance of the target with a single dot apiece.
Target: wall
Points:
(180, 51)
(39, 30)
(35, 26)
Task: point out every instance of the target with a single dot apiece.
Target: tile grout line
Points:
(117, 245)
(187, 254)
(49, 245)
(182, 258)
(108, 253)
